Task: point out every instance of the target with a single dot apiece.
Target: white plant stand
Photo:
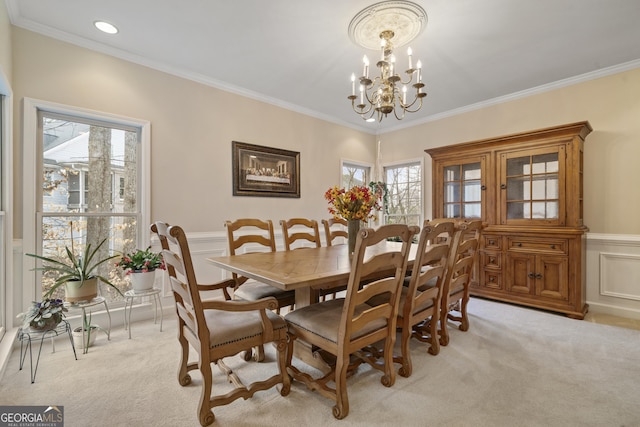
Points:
(83, 305)
(129, 296)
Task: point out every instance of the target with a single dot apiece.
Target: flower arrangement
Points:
(141, 261)
(356, 203)
(44, 315)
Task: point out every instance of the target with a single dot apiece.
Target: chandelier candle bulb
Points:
(419, 65)
(404, 94)
(409, 53)
(366, 66)
(353, 84)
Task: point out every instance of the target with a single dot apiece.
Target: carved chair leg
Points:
(444, 332)
(406, 368)
(464, 325)
(183, 376)
(389, 377)
(341, 409)
(434, 349)
(205, 414)
(283, 358)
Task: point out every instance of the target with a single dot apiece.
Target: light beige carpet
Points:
(514, 367)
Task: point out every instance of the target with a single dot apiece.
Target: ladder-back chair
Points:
(216, 329)
(343, 326)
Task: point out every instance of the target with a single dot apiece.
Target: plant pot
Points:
(142, 281)
(90, 337)
(76, 291)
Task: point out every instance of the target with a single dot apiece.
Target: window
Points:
(355, 174)
(81, 155)
(404, 198)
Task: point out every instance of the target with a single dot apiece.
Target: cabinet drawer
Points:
(492, 279)
(555, 246)
(491, 242)
(491, 260)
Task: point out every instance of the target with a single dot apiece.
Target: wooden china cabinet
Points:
(527, 188)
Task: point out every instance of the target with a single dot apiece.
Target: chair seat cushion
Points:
(226, 327)
(253, 291)
(323, 319)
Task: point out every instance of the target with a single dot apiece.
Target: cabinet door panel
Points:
(552, 277)
(520, 273)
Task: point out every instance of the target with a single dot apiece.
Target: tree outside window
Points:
(404, 200)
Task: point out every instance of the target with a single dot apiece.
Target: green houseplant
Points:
(43, 316)
(76, 272)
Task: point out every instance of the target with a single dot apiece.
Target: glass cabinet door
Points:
(531, 186)
(462, 192)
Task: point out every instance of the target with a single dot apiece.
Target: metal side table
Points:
(28, 335)
(83, 305)
(131, 295)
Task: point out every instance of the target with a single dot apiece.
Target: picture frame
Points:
(265, 171)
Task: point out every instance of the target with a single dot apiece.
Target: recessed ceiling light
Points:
(370, 120)
(105, 27)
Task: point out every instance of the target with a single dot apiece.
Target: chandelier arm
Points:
(408, 82)
(395, 113)
(360, 111)
(418, 108)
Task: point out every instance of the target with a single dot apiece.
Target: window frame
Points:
(30, 180)
(7, 310)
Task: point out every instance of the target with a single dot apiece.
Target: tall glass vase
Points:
(353, 226)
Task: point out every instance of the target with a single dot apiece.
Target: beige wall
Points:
(612, 151)
(192, 126)
(5, 43)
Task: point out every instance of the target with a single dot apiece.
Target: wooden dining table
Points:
(304, 270)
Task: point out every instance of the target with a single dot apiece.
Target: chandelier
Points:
(374, 28)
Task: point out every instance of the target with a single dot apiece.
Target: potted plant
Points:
(78, 273)
(43, 316)
(140, 266)
(84, 336)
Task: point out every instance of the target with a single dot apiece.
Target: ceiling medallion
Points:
(383, 26)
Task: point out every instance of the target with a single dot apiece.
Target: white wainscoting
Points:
(613, 274)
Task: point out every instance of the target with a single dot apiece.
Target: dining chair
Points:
(248, 235)
(300, 229)
(343, 326)
(335, 228)
(458, 277)
(420, 301)
(217, 329)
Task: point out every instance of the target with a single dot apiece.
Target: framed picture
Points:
(265, 171)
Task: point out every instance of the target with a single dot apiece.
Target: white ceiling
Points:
(297, 53)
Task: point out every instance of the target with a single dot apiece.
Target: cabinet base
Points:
(578, 315)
